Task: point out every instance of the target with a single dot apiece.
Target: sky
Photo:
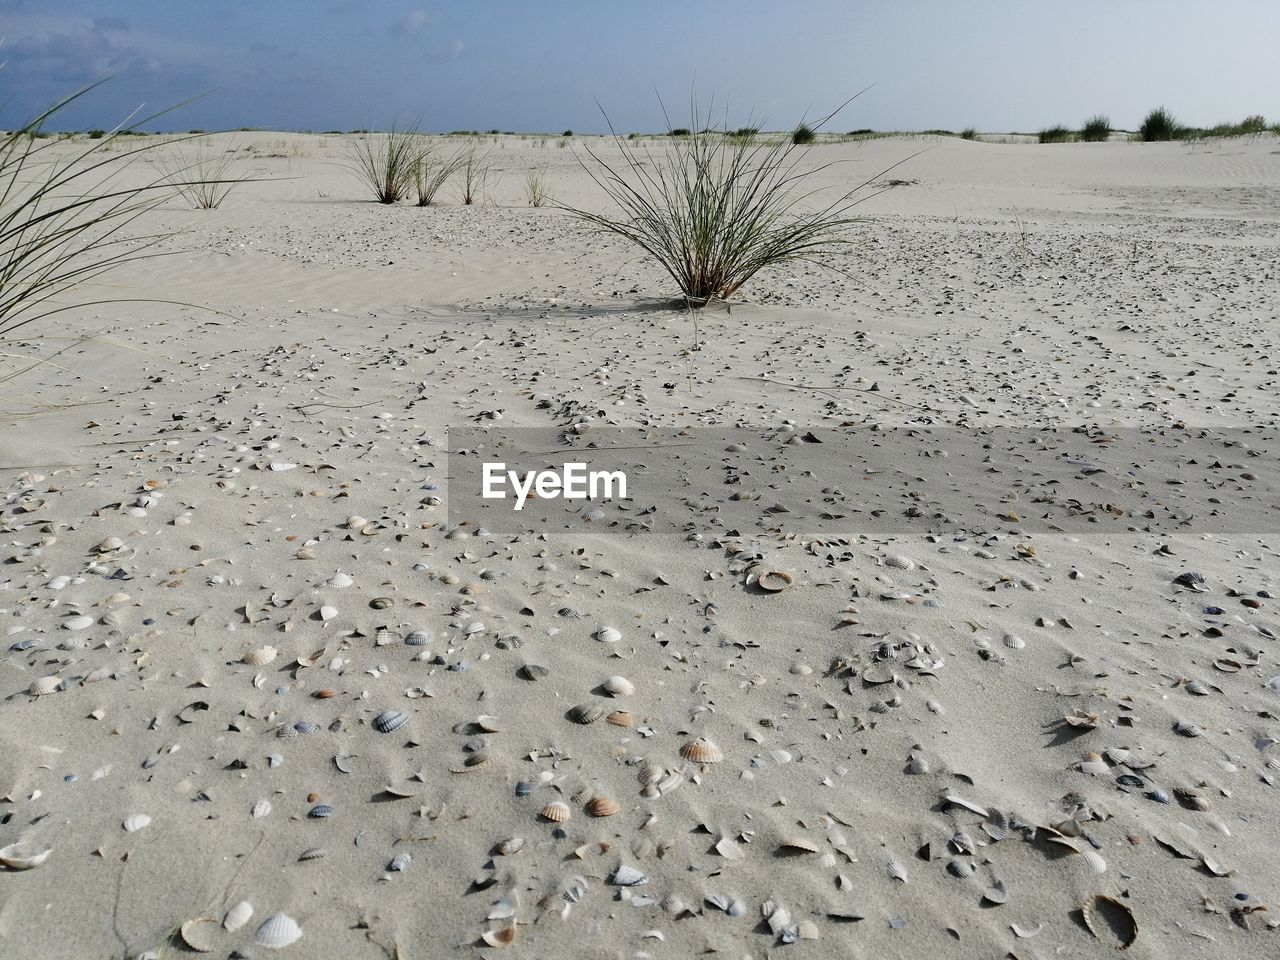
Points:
(550, 65)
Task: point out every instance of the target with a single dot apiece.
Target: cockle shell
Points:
(238, 916)
(586, 713)
(22, 856)
(80, 622)
(340, 580)
(511, 846)
(277, 932)
(791, 845)
(650, 773)
(608, 634)
(1110, 921)
(621, 718)
(702, 750)
(557, 812)
(619, 686)
(603, 807)
(136, 822)
(259, 656)
(45, 686)
(201, 934)
(390, 720)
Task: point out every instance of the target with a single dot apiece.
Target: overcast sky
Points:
(541, 65)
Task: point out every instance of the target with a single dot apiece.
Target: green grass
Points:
(431, 171)
(1055, 134)
(803, 135)
(1160, 125)
(969, 133)
(537, 187)
(713, 209)
(384, 162)
(474, 169)
(204, 179)
(1097, 129)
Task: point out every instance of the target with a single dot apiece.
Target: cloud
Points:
(411, 22)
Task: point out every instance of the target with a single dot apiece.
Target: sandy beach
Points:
(253, 654)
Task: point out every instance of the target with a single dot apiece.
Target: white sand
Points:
(1117, 284)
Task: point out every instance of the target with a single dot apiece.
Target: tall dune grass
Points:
(1097, 129)
(204, 179)
(384, 162)
(431, 171)
(714, 209)
(65, 216)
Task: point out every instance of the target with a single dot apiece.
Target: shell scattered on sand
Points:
(277, 932)
(557, 812)
(702, 750)
(1110, 920)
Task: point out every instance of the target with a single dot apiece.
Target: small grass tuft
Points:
(1055, 134)
(803, 135)
(536, 187)
(431, 171)
(475, 168)
(969, 133)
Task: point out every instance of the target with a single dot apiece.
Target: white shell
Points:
(17, 856)
(45, 686)
(608, 634)
(341, 580)
(259, 656)
(619, 686)
(277, 932)
(327, 613)
(135, 822)
(238, 915)
(261, 809)
(81, 622)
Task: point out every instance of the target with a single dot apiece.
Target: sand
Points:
(289, 454)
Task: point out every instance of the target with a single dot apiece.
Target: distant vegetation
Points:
(1055, 134)
(803, 135)
(1159, 125)
(1096, 129)
(969, 133)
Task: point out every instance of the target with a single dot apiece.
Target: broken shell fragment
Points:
(21, 856)
(500, 938)
(793, 845)
(621, 718)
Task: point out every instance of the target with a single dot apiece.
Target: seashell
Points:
(136, 822)
(650, 773)
(1095, 860)
(603, 807)
(325, 693)
(505, 907)
(488, 724)
(899, 562)
(1190, 579)
(797, 845)
(702, 750)
(200, 934)
(400, 862)
(621, 718)
(878, 673)
(586, 713)
(237, 916)
(501, 939)
(619, 686)
(672, 904)
(355, 522)
(478, 759)
(21, 856)
(109, 544)
(997, 893)
(80, 622)
(312, 853)
(557, 812)
(260, 809)
(775, 581)
(960, 868)
(1110, 921)
(277, 932)
(382, 603)
(1081, 720)
(511, 846)
(1025, 933)
(1187, 728)
(607, 634)
(1094, 765)
(390, 720)
(917, 764)
(417, 638)
(327, 613)
(625, 876)
(340, 580)
(311, 659)
(260, 656)
(532, 671)
(319, 811)
(45, 686)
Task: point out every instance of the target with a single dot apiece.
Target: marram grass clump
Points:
(385, 162)
(1097, 129)
(714, 209)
